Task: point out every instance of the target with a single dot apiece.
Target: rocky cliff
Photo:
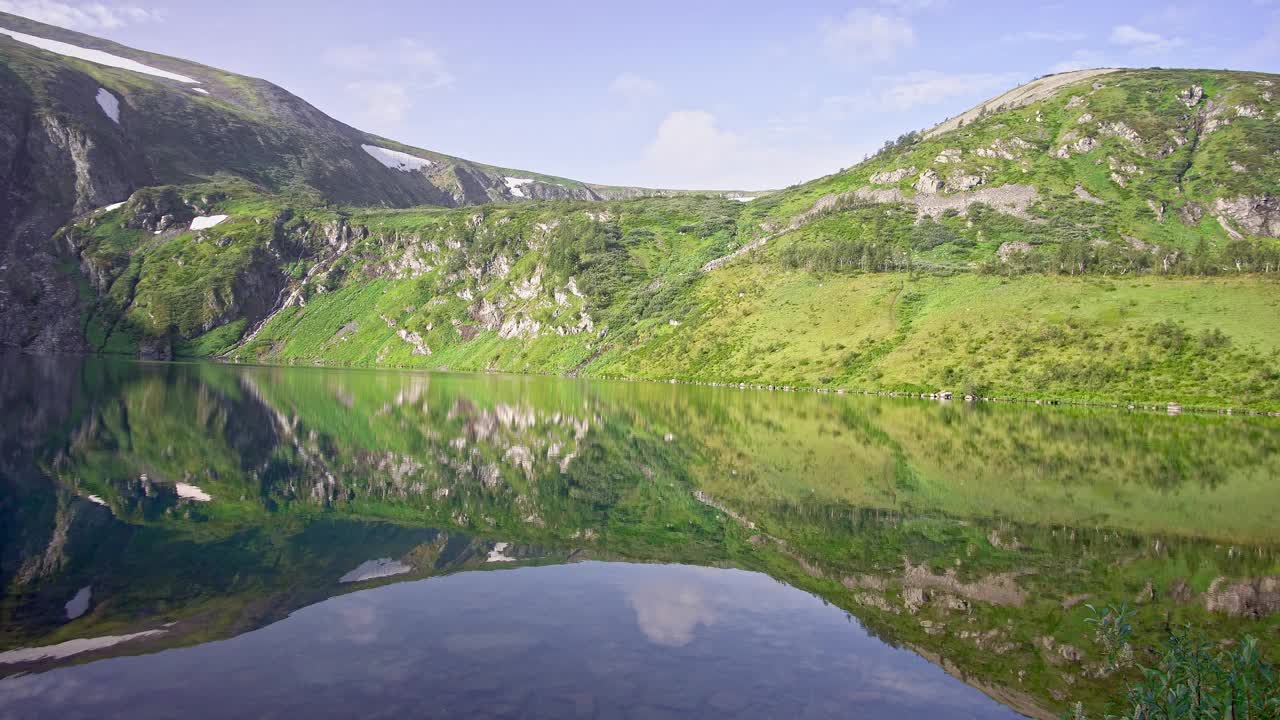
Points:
(76, 135)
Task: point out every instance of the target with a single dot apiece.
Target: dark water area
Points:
(217, 541)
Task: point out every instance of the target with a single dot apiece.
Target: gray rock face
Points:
(1009, 249)
(159, 212)
(930, 183)
(1010, 199)
(1191, 96)
(963, 182)
(949, 155)
(1256, 597)
(1082, 146)
(54, 165)
(1256, 215)
(1191, 213)
(1006, 150)
(892, 177)
(1120, 130)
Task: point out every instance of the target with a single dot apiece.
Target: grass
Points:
(861, 295)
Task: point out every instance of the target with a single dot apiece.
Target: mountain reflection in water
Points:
(580, 640)
(381, 543)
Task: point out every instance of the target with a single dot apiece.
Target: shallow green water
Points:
(611, 549)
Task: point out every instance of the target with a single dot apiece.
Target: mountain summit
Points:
(163, 208)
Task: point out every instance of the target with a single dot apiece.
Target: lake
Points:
(199, 540)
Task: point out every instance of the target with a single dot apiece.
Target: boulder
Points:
(1011, 248)
(963, 182)
(1191, 96)
(949, 155)
(930, 183)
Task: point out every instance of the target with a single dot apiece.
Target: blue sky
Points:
(696, 93)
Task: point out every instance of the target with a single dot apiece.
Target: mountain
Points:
(1100, 235)
(86, 122)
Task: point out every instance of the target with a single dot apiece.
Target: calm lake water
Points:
(216, 541)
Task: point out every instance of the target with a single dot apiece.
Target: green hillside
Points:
(1097, 235)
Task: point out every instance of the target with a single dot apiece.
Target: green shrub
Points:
(1193, 678)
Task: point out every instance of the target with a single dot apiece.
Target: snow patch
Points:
(109, 103)
(79, 604)
(497, 554)
(204, 223)
(112, 206)
(70, 647)
(202, 91)
(514, 183)
(191, 492)
(396, 160)
(371, 569)
(98, 500)
(94, 56)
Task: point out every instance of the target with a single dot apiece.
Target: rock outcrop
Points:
(1256, 597)
(1256, 215)
(930, 183)
(1192, 96)
(892, 177)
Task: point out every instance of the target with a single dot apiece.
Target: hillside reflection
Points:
(198, 502)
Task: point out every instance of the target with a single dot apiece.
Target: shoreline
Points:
(1171, 408)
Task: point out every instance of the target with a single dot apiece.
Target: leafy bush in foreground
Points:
(1193, 678)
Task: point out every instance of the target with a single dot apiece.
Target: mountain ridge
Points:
(179, 122)
(1045, 194)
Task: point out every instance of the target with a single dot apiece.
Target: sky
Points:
(705, 94)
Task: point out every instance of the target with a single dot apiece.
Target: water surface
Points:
(215, 541)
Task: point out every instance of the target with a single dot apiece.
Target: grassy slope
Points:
(1033, 336)
(802, 310)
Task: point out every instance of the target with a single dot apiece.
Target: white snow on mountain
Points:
(94, 56)
(395, 159)
(109, 103)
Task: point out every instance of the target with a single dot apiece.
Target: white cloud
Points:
(1142, 41)
(79, 16)
(409, 60)
(1043, 36)
(865, 37)
(924, 88)
(380, 106)
(691, 143)
(921, 89)
(691, 150)
(670, 613)
(914, 5)
(1130, 35)
(380, 82)
(635, 88)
